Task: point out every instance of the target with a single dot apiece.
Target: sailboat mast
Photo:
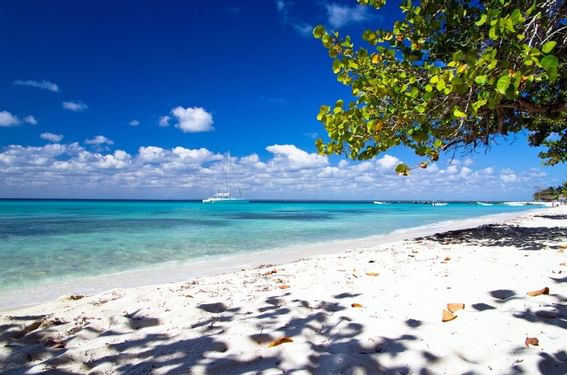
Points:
(228, 172)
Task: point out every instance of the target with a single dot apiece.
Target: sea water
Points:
(48, 240)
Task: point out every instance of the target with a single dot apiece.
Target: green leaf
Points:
(481, 80)
(503, 84)
(548, 47)
(549, 62)
(482, 20)
(458, 113)
(318, 31)
(337, 65)
(517, 16)
(441, 84)
(492, 33)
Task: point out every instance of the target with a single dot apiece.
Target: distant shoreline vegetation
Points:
(551, 194)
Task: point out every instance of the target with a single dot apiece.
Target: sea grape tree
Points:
(450, 75)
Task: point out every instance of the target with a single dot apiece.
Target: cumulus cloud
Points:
(75, 106)
(339, 15)
(134, 123)
(30, 120)
(508, 176)
(289, 156)
(44, 85)
(192, 119)
(7, 120)
(164, 121)
(71, 170)
(387, 162)
(99, 140)
(51, 137)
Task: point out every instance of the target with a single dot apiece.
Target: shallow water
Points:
(48, 240)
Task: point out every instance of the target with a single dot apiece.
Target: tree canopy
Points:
(450, 75)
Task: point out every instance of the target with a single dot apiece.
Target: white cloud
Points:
(508, 176)
(7, 119)
(192, 119)
(75, 106)
(51, 137)
(151, 154)
(30, 120)
(44, 85)
(164, 121)
(340, 15)
(134, 123)
(99, 140)
(387, 162)
(294, 158)
(72, 170)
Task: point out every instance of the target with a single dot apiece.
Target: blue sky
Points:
(140, 99)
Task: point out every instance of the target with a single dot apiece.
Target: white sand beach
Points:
(367, 310)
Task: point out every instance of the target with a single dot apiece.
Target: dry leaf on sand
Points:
(531, 341)
(281, 340)
(448, 316)
(452, 307)
(284, 286)
(539, 292)
(356, 305)
(372, 273)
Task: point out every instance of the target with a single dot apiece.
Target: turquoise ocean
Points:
(50, 240)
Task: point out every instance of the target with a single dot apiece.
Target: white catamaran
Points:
(225, 196)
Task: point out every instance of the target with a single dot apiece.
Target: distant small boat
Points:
(484, 204)
(438, 204)
(225, 196)
(378, 202)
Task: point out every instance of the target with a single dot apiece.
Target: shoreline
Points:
(364, 310)
(171, 272)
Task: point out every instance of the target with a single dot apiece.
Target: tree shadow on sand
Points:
(524, 238)
(337, 346)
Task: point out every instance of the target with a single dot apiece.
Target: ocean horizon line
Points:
(263, 200)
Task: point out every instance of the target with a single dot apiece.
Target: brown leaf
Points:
(452, 307)
(284, 286)
(531, 341)
(57, 344)
(448, 316)
(356, 305)
(281, 340)
(447, 259)
(270, 272)
(372, 273)
(539, 292)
